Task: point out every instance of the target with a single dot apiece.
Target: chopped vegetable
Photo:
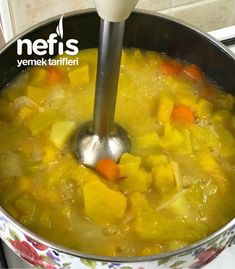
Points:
(204, 108)
(204, 138)
(49, 154)
(61, 132)
(108, 169)
(24, 101)
(163, 178)
(156, 159)
(54, 76)
(227, 142)
(208, 91)
(178, 205)
(149, 225)
(41, 121)
(79, 76)
(102, 204)
(172, 138)
(138, 180)
(194, 72)
(37, 94)
(177, 176)
(183, 114)
(148, 140)
(25, 205)
(164, 108)
(128, 163)
(209, 164)
(10, 164)
(221, 116)
(38, 75)
(170, 67)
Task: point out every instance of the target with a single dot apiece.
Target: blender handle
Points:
(115, 10)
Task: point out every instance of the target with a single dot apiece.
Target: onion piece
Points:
(177, 175)
(24, 101)
(10, 164)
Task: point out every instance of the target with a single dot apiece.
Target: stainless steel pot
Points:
(144, 30)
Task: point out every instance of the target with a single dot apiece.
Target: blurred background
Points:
(207, 15)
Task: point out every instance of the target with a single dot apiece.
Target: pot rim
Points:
(133, 259)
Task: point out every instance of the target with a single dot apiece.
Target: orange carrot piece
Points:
(170, 67)
(194, 72)
(183, 114)
(208, 92)
(54, 76)
(108, 169)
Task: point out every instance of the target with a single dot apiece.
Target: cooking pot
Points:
(148, 31)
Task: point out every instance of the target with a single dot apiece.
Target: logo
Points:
(53, 45)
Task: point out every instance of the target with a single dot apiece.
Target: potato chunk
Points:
(149, 225)
(79, 76)
(165, 107)
(210, 165)
(102, 204)
(61, 132)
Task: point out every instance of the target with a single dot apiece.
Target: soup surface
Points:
(174, 188)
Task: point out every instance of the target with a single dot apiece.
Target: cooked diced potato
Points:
(25, 205)
(49, 154)
(128, 163)
(210, 165)
(204, 108)
(186, 146)
(227, 142)
(24, 113)
(163, 178)
(61, 132)
(10, 164)
(224, 100)
(37, 75)
(149, 225)
(155, 159)
(42, 120)
(221, 116)
(172, 138)
(179, 206)
(102, 204)
(149, 140)
(24, 184)
(203, 138)
(37, 94)
(164, 108)
(79, 76)
(137, 181)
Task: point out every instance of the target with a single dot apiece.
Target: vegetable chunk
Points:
(102, 204)
(79, 76)
(209, 164)
(61, 131)
(108, 169)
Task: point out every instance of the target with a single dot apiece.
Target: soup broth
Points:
(175, 187)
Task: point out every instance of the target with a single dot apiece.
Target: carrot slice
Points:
(54, 76)
(108, 169)
(170, 67)
(183, 114)
(194, 72)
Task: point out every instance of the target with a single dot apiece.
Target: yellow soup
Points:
(175, 187)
